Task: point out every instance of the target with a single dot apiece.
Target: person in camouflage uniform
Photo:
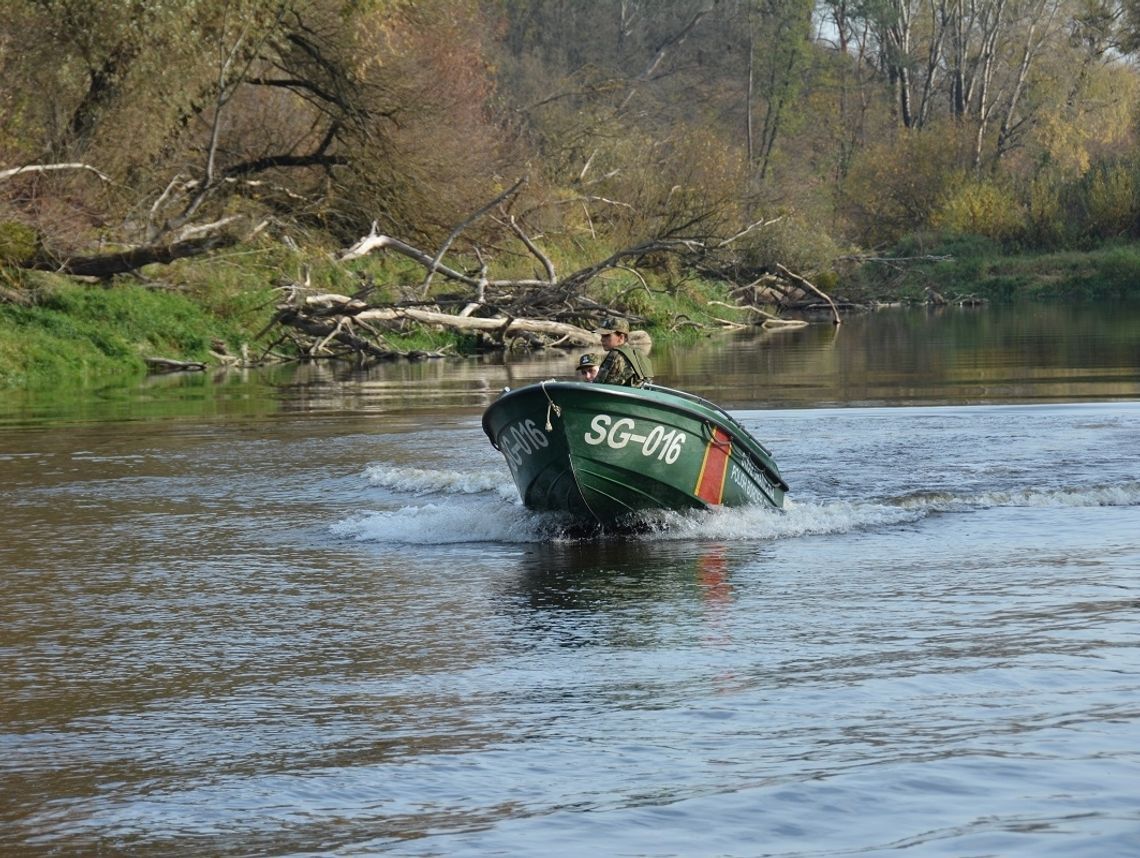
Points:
(588, 367)
(623, 363)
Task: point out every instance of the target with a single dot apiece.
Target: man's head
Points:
(614, 332)
(587, 367)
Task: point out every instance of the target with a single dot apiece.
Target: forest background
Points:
(176, 175)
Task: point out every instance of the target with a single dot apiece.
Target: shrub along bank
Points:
(79, 333)
(970, 267)
(57, 331)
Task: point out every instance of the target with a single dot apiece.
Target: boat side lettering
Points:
(522, 438)
(745, 475)
(665, 444)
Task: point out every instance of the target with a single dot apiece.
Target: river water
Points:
(302, 612)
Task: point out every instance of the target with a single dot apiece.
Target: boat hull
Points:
(607, 453)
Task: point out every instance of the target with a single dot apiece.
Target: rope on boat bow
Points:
(550, 406)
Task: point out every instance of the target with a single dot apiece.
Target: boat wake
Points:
(481, 506)
(420, 481)
(1124, 494)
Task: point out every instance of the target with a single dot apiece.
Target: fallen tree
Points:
(341, 326)
(104, 265)
(502, 313)
(804, 283)
(49, 168)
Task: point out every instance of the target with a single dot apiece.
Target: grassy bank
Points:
(76, 333)
(68, 332)
(976, 268)
(63, 332)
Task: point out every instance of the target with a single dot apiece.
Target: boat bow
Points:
(606, 452)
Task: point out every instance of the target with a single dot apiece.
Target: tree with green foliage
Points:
(323, 111)
(139, 132)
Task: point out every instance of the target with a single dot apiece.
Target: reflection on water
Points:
(914, 356)
(959, 355)
(594, 575)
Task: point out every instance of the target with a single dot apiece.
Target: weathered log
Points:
(110, 264)
(933, 296)
(752, 309)
(783, 324)
(506, 326)
(332, 304)
(160, 364)
(45, 168)
(326, 330)
(12, 296)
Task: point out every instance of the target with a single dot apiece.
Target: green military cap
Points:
(613, 325)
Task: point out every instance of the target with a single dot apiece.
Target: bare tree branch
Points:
(110, 264)
(376, 241)
(533, 248)
(45, 168)
(509, 192)
(803, 282)
(758, 224)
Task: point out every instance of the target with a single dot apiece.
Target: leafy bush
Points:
(1119, 271)
(794, 243)
(1111, 201)
(77, 332)
(981, 208)
(897, 186)
(1046, 224)
(959, 246)
(17, 242)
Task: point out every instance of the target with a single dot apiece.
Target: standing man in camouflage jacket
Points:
(623, 363)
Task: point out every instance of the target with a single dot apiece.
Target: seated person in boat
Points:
(623, 363)
(587, 367)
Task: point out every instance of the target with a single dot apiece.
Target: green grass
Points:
(79, 333)
(1109, 273)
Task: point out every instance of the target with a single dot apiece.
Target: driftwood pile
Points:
(501, 314)
(327, 325)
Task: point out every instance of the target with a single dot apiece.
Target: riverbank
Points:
(61, 331)
(65, 332)
(970, 268)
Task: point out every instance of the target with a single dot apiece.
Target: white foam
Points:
(499, 521)
(761, 523)
(1127, 494)
(448, 523)
(421, 481)
(1124, 494)
(502, 518)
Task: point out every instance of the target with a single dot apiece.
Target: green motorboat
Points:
(605, 453)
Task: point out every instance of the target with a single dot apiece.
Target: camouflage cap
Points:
(587, 360)
(613, 325)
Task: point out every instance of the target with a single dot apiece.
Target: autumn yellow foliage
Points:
(981, 207)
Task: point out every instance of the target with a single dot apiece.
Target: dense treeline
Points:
(828, 130)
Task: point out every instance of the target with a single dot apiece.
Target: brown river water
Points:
(301, 612)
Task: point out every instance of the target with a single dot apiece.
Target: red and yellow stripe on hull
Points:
(714, 468)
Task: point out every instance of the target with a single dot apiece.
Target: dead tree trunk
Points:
(122, 262)
(806, 284)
